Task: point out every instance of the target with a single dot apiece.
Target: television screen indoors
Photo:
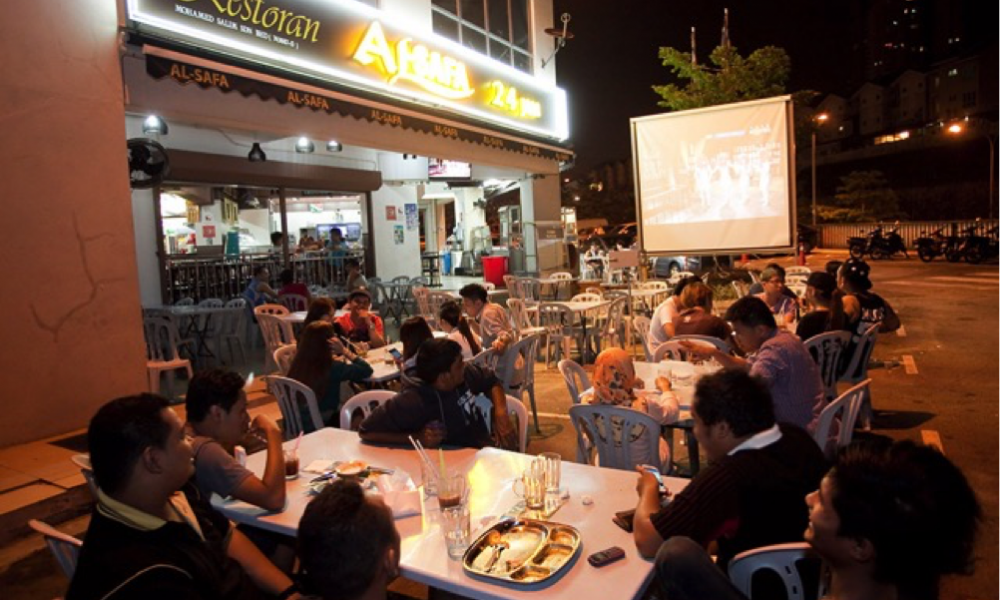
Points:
(439, 168)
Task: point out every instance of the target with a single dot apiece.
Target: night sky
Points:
(608, 67)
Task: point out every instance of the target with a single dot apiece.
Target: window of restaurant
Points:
(497, 28)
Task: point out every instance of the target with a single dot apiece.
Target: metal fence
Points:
(225, 277)
(835, 236)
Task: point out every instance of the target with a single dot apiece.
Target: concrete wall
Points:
(392, 259)
(72, 328)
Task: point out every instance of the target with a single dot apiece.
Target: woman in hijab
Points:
(615, 383)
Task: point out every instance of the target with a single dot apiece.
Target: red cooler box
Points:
(494, 268)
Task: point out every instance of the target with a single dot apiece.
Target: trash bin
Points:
(446, 263)
(494, 268)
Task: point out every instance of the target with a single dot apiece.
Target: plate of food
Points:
(351, 468)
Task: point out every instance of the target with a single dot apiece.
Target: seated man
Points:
(863, 307)
(348, 544)
(217, 412)
(439, 408)
(888, 520)
(778, 357)
(152, 534)
(751, 494)
(359, 323)
(494, 322)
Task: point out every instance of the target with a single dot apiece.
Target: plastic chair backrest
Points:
(557, 319)
(161, 338)
(211, 303)
(366, 402)
(484, 406)
(782, 559)
(185, 302)
(438, 299)
(486, 358)
(421, 293)
(671, 350)
(65, 548)
(798, 271)
(233, 317)
(527, 349)
(290, 395)
(284, 356)
(595, 290)
(835, 426)
(826, 349)
(561, 276)
(621, 437)
(83, 462)
(641, 326)
(857, 367)
(530, 289)
(510, 281)
(654, 285)
(271, 309)
(576, 378)
(294, 302)
(276, 332)
(518, 314)
(613, 323)
(586, 297)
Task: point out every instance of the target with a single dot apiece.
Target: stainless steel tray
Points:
(522, 551)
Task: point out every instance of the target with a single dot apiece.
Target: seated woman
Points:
(696, 316)
(360, 324)
(783, 307)
(457, 328)
(615, 383)
(826, 307)
(322, 362)
(321, 309)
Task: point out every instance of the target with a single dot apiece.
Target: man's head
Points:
(277, 238)
(352, 264)
(286, 277)
(347, 543)
(854, 275)
(902, 512)
(752, 322)
(360, 300)
(139, 440)
(833, 267)
(474, 297)
(439, 363)
(728, 407)
(262, 273)
(684, 282)
(336, 234)
(414, 332)
(772, 279)
(217, 405)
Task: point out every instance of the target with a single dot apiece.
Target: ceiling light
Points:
(334, 146)
(154, 125)
(256, 153)
(304, 145)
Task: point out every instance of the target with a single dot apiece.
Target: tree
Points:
(733, 78)
(863, 196)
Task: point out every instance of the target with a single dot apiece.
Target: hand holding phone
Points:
(396, 354)
(656, 475)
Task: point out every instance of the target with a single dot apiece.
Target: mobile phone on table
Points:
(396, 354)
(604, 557)
(656, 474)
(624, 519)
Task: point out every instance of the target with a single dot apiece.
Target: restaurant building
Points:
(391, 120)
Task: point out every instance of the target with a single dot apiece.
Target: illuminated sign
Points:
(347, 43)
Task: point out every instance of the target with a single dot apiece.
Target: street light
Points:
(956, 129)
(820, 119)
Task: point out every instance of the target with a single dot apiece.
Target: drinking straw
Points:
(428, 465)
(441, 460)
(298, 441)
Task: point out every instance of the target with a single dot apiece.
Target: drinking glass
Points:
(456, 526)
(451, 490)
(429, 479)
(291, 463)
(553, 462)
(533, 483)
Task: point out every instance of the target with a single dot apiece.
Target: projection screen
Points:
(716, 180)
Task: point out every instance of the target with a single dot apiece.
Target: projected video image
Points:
(720, 166)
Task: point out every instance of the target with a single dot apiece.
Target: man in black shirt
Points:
(152, 535)
(439, 408)
(750, 496)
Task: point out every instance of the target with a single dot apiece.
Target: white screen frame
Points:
(783, 240)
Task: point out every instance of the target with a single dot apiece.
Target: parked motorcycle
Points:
(977, 248)
(877, 244)
(937, 244)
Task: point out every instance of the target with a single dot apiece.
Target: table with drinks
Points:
(480, 491)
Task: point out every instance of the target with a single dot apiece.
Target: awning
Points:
(206, 74)
(199, 167)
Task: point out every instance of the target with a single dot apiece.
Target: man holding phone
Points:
(750, 495)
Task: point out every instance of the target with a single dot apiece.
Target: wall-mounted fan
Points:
(148, 164)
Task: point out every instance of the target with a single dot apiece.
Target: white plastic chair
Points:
(294, 302)
(366, 402)
(233, 328)
(614, 436)
(64, 547)
(826, 349)
(669, 350)
(527, 349)
(284, 356)
(844, 413)
(797, 287)
(520, 318)
(610, 333)
(586, 297)
(83, 462)
(161, 352)
(640, 325)
(510, 281)
(514, 407)
(576, 378)
(420, 295)
(277, 333)
(291, 394)
(797, 271)
(558, 322)
(277, 310)
(782, 559)
(436, 300)
(185, 302)
(857, 371)
(530, 290)
(486, 358)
